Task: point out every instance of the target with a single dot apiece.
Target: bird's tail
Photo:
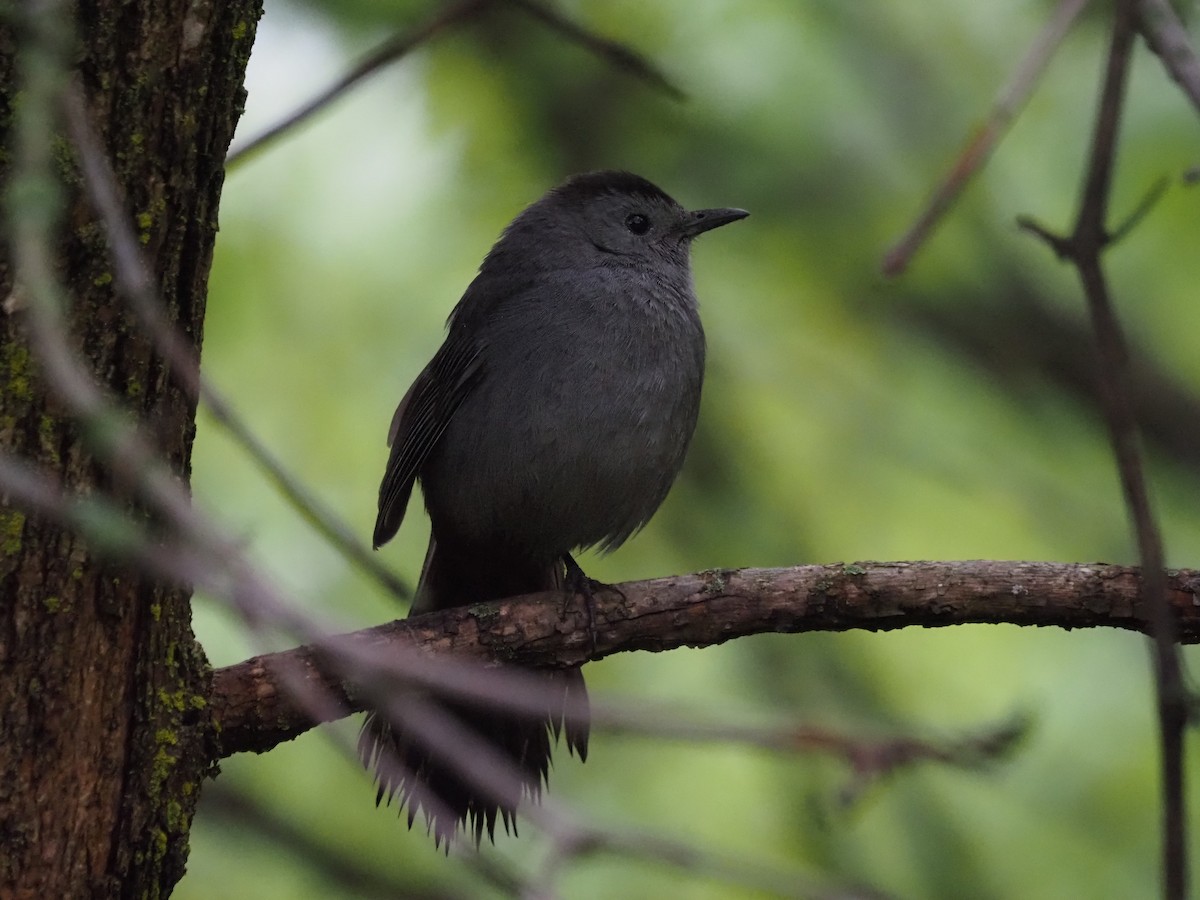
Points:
(409, 767)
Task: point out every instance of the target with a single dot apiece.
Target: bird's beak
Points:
(702, 220)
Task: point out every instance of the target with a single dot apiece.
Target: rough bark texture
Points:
(273, 698)
(105, 730)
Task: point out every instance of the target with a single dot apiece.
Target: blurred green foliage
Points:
(845, 416)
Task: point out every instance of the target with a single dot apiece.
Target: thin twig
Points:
(133, 278)
(616, 54)
(393, 49)
(1167, 37)
(983, 140)
(1084, 248)
(1114, 375)
(1149, 200)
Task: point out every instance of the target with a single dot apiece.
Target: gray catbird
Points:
(554, 417)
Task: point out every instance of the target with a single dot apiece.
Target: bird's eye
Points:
(637, 223)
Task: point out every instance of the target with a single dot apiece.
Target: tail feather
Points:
(407, 767)
(411, 771)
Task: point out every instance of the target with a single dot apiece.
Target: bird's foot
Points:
(577, 582)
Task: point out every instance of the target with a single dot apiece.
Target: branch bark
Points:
(257, 706)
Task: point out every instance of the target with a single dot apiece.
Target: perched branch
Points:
(256, 712)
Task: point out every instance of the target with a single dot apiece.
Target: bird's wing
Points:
(420, 420)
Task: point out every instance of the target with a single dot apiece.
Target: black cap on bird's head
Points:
(604, 218)
(582, 188)
(588, 187)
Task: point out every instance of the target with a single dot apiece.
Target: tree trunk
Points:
(104, 730)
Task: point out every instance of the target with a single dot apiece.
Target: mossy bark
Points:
(104, 730)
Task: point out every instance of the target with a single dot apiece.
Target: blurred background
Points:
(947, 414)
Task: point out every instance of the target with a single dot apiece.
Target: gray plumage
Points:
(555, 417)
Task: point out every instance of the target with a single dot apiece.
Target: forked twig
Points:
(1084, 248)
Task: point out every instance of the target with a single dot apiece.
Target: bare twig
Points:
(393, 49)
(1167, 37)
(983, 140)
(1157, 191)
(1084, 248)
(616, 54)
(872, 760)
(135, 283)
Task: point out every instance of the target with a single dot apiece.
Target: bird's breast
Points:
(576, 431)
